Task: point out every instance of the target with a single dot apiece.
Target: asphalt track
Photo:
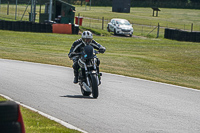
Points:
(125, 105)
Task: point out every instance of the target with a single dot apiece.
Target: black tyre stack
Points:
(25, 26)
(75, 29)
(17, 26)
(48, 28)
(181, 35)
(1, 25)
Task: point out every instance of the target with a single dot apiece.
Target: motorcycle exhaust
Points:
(86, 88)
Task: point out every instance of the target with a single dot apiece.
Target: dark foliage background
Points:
(195, 4)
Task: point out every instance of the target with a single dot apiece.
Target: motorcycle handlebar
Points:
(80, 53)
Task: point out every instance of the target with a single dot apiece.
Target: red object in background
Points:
(62, 28)
(87, 0)
(20, 120)
(11, 120)
(80, 20)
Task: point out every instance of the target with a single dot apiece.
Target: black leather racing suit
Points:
(77, 47)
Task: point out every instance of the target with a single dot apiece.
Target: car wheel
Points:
(130, 35)
(115, 32)
(108, 29)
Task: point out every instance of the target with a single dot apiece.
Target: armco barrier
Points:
(181, 35)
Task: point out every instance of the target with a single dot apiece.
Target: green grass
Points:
(167, 17)
(160, 60)
(35, 123)
(142, 19)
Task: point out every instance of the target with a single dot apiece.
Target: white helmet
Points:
(87, 37)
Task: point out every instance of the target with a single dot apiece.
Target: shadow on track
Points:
(78, 96)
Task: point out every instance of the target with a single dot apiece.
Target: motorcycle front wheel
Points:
(94, 85)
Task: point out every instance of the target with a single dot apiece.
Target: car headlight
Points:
(118, 27)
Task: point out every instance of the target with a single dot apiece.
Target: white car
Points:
(120, 26)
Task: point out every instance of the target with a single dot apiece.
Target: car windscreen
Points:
(122, 22)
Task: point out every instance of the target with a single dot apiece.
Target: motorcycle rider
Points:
(77, 46)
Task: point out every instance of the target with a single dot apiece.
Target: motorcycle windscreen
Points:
(89, 52)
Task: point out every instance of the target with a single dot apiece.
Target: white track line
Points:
(47, 116)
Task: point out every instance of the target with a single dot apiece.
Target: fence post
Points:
(78, 18)
(50, 10)
(8, 8)
(102, 22)
(142, 31)
(34, 10)
(158, 30)
(90, 22)
(16, 10)
(191, 27)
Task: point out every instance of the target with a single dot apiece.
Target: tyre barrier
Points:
(75, 29)
(1, 25)
(181, 35)
(25, 26)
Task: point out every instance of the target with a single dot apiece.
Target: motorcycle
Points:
(88, 77)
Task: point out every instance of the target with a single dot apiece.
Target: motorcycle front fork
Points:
(87, 79)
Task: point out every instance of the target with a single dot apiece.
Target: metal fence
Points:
(150, 29)
(18, 11)
(139, 29)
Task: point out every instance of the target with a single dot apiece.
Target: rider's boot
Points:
(75, 77)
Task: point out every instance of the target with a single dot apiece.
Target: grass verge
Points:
(35, 123)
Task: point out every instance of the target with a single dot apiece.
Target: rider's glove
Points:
(102, 49)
